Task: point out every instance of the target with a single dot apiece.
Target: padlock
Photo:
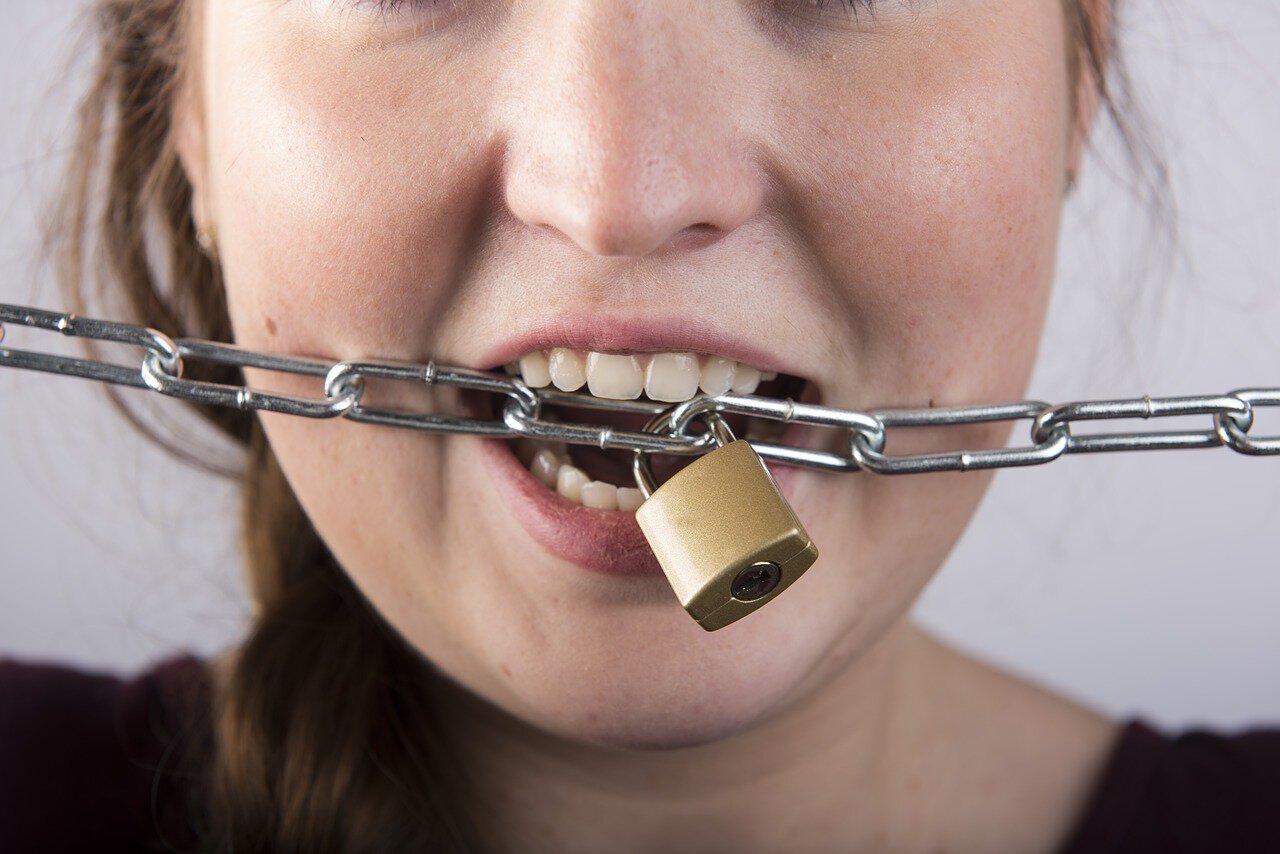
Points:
(722, 531)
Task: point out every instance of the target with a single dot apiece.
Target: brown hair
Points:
(294, 763)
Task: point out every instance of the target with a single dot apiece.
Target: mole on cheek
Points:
(271, 325)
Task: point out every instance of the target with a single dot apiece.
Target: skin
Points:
(424, 184)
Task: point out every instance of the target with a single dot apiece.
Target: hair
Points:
(294, 764)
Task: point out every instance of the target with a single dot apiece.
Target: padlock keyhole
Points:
(756, 581)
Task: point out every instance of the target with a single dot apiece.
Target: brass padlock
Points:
(722, 531)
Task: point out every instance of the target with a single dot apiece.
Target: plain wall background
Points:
(1141, 583)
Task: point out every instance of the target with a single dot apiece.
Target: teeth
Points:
(535, 370)
(746, 380)
(569, 483)
(545, 466)
(629, 499)
(664, 377)
(566, 369)
(672, 377)
(549, 462)
(600, 495)
(717, 375)
(616, 377)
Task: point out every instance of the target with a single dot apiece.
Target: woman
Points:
(466, 644)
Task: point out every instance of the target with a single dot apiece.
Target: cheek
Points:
(342, 195)
(378, 498)
(933, 214)
(343, 202)
(937, 215)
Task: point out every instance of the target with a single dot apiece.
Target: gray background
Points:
(1140, 583)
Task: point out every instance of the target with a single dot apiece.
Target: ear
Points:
(188, 126)
(1095, 24)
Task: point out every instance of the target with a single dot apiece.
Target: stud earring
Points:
(207, 241)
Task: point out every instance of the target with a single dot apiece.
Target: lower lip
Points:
(609, 542)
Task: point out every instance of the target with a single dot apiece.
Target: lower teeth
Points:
(550, 463)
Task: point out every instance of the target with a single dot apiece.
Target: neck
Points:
(827, 771)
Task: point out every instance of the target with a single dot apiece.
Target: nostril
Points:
(696, 236)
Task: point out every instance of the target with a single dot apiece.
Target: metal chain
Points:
(163, 362)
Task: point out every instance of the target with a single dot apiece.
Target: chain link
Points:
(163, 361)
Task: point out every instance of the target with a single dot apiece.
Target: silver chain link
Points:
(163, 361)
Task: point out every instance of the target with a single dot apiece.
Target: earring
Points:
(207, 241)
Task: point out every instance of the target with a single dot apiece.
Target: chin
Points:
(658, 682)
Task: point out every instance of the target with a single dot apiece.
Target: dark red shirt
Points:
(96, 763)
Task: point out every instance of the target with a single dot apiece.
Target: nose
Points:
(624, 131)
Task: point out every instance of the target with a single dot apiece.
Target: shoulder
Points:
(1192, 791)
(92, 759)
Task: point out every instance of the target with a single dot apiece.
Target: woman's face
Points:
(867, 202)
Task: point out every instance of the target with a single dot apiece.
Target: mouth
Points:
(602, 479)
(579, 501)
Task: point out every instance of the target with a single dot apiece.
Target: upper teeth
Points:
(667, 377)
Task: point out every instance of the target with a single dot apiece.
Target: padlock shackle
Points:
(719, 428)
(643, 468)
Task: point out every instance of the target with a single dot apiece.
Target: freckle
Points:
(271, 326)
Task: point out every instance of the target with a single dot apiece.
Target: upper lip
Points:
(610, 334)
